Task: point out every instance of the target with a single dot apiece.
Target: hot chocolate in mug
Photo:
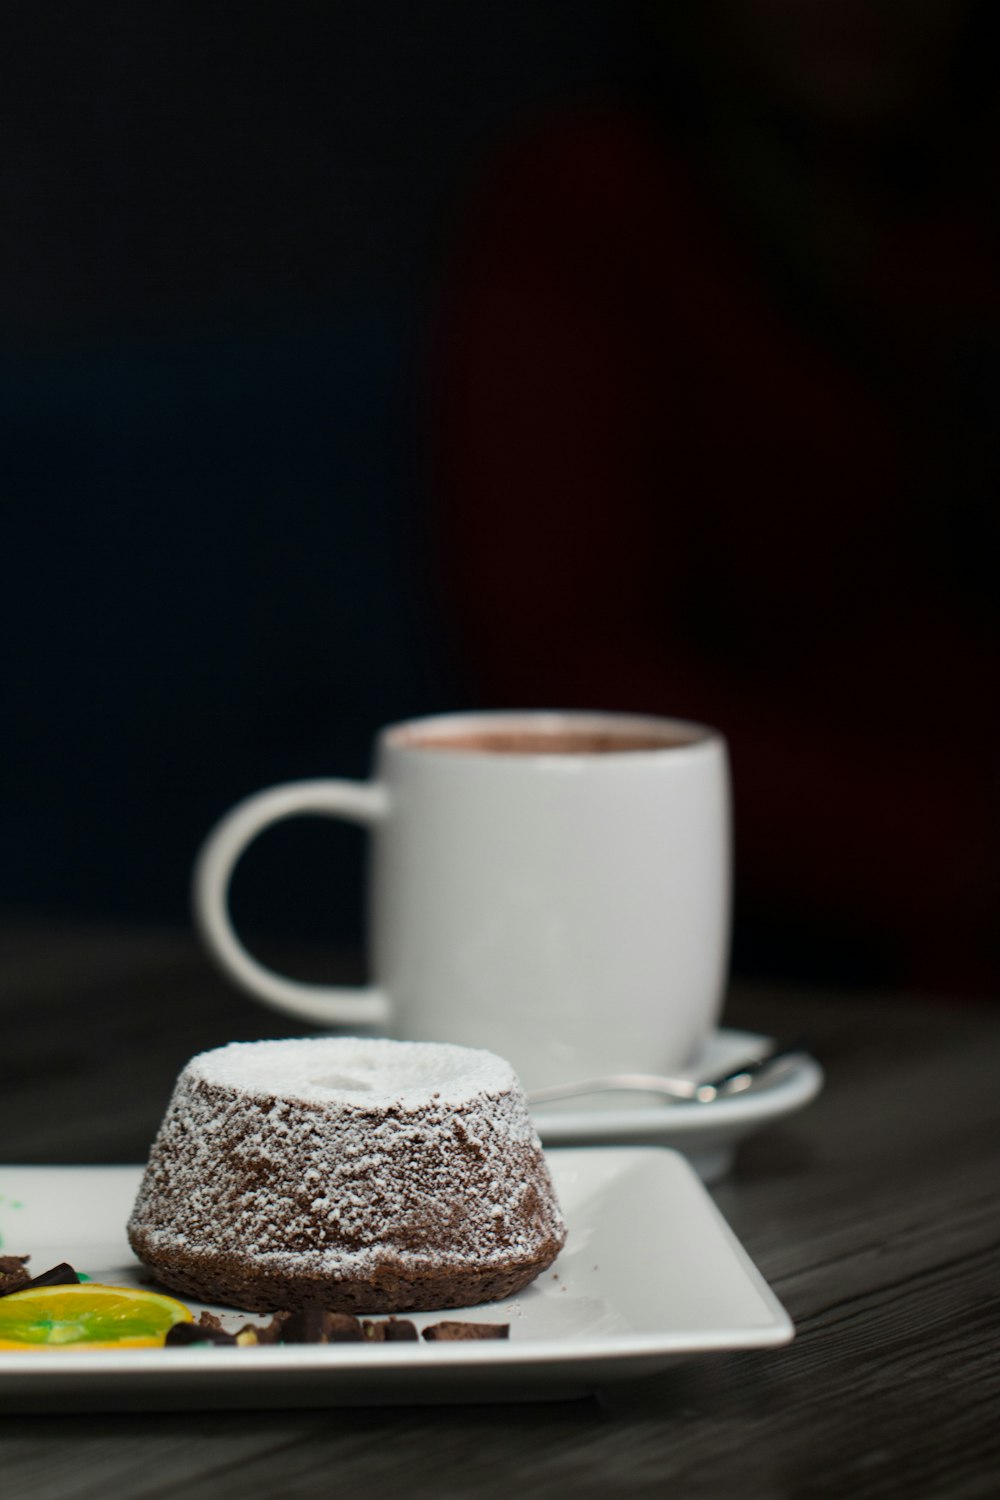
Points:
(552, 886)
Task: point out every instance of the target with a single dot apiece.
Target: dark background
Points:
(219, 233)
(223, 232)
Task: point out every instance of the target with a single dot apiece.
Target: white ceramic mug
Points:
(552, 886)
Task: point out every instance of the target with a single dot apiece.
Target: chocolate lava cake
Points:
(359, 1175)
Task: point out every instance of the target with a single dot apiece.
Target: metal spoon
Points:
(753, 1073)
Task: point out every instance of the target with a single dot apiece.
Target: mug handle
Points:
(358, 802)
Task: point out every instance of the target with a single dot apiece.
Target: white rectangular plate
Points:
(651, 1271)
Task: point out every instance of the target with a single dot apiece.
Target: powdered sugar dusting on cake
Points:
(340, 1157)
(357, 1070)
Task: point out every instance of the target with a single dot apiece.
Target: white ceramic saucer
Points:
(708, 1134)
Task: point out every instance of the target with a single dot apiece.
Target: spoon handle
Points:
(780, 1059)
(735, 1080)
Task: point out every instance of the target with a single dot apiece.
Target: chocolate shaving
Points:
(389, 1331)
(211, 1320)
(307, 1325)
(400, 1331)
(13, 1276)
(343, 1329)
(183, 1335)
(60, 1275)
(314, 1325)
(269, 1333)
(450, 1331)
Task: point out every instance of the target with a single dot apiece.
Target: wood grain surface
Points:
(874, 1214)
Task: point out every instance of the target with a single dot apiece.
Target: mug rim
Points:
(681, 736)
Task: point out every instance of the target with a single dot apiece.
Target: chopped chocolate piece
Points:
(208, 1319)
(389, 1331)
(400, 1331)
(343, 1329)
(451, 1330)
(60, 1275)
(13, 1276)
(314, 1325)
(270, 1333)
(182, 1335)
(306, 1326)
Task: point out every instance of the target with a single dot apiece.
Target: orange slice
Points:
(87, 1316)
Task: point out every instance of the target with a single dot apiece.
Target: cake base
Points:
(233, 1282)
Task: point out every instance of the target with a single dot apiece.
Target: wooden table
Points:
(874, 1213)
